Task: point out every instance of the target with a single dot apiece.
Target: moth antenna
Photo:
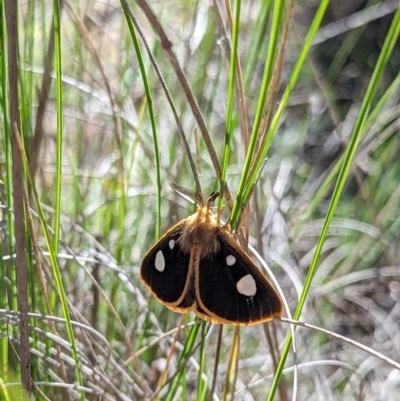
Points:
(210, 200)
(190, 196)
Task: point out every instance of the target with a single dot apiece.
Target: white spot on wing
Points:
(230, 260)
(247, 286)
(160, 261)
(171, 244)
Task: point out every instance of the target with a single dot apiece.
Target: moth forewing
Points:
(231, 288)
(165, 269)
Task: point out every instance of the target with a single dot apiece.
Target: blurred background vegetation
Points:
(99, 195)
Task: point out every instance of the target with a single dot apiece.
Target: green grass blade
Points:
(285, 98)
(240, 199)
(202, 384)
(135, 40)
(231, 94)
(329, 180)
(5, 301)
(180, 379)
(59, 135)
(259, 27)
(387, 48)
(57, 277)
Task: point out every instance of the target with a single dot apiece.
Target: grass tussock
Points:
(289, 109)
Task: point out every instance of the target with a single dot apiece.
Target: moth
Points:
(198, 266)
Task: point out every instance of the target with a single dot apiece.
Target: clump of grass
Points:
(289, 116)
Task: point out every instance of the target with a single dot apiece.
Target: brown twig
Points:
(170, 101)
(167, 46)
(42, 100)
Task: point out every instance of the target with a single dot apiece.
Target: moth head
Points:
(199, 231)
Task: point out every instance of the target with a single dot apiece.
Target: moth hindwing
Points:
(197, 266)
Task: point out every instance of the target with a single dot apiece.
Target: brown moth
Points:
(198, 266)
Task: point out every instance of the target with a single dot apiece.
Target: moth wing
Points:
(232, 289)
(165, 271)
